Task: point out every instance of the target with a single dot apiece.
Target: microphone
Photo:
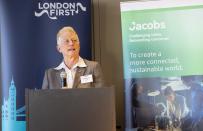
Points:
(63, 76)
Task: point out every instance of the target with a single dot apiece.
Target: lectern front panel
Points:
(91, 109)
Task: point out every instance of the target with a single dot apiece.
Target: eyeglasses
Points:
(64, 41)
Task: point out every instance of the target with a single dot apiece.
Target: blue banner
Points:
(28, 47)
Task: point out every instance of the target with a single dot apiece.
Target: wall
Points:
(107, 44)
(0, 77)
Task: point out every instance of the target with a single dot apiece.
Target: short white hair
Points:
(66, 29)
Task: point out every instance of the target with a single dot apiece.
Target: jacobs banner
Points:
(28, 47)
(163, 67)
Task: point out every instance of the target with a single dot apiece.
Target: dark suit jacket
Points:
(52, 78)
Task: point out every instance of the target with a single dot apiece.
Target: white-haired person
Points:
(80, 73)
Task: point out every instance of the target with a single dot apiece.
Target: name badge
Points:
(86, 79)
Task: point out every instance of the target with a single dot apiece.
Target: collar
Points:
(80, 63)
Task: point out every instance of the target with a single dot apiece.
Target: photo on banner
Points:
(163, 67)
(28, 47)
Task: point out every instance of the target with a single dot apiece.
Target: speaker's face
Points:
(68, 44)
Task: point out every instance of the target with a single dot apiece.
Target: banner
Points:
(28, 47)
(163, 67)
